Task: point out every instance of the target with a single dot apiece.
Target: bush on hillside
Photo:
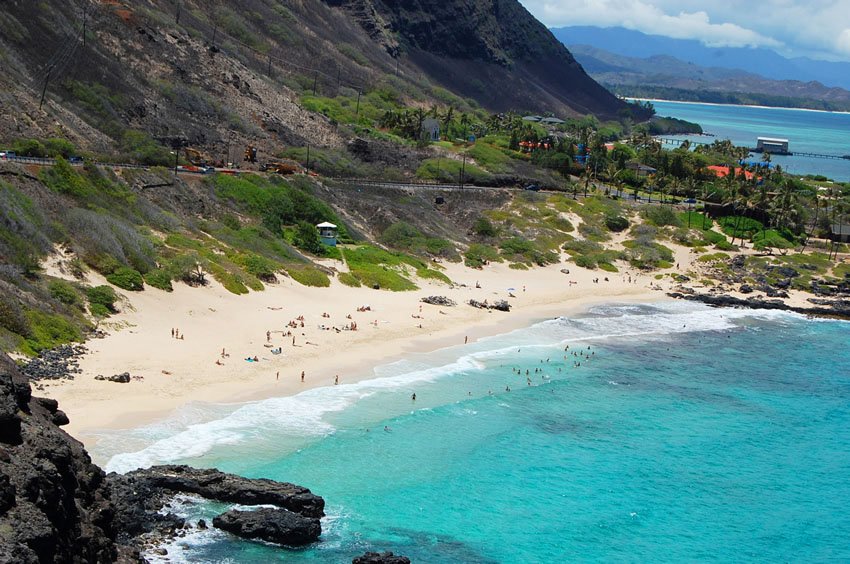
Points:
(102, 300)
(127, 278)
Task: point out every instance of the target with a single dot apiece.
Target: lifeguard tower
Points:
(328, 232)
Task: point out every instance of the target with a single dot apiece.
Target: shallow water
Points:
(691, 433)
(808, 132)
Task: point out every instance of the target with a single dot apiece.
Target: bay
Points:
(664, 432)
(807, 131)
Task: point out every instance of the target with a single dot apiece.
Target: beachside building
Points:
(431, 129)
(641, 169)
(772, 145)
(840, 232)
(327, 233)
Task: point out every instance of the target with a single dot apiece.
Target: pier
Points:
(679, 142)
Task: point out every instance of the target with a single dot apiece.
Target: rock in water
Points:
(272, 525)
(381, 558)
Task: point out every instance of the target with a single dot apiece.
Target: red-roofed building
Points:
(723, 171)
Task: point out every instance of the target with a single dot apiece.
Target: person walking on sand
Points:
(302, 375)
(466, 339)
(277, 376)
(268, 336)
(336, 380)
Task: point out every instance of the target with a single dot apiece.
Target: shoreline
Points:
(177, 372)
(734, 105)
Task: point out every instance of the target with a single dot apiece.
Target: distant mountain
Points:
(765, 62)
(685, 80)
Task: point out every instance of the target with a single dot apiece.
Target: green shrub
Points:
(261, 267)
(12, 317)
(309, 276)
(159, 279)
(103, 296)
(307, 238)
(349, 279)
(63, 292)
(661, 216)
(483, 227)
(608, 267)
(49, 330)
(127, 278)
(616, 223)
(428, 273)
(478, 255)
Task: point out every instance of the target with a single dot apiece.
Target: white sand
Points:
(177, 371)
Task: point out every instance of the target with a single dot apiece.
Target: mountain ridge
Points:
(764, 61)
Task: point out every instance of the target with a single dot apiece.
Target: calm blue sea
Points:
(809, 132)
(686, 434)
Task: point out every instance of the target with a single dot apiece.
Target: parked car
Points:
(7, 155)
(532, 187)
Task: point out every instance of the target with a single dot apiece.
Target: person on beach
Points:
(413, 397)
(172, 332)
(223, 354)
(336, 380)
(302, 375)
(277, 376)
(466, 339)
(268, 336)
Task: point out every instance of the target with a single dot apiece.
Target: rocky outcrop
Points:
(380, 558)
(474, 45)
(219, 486)
(438, 301)
(272, 525)
(55, 504)
(820, 307)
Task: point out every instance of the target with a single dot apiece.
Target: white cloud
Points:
(794, 27)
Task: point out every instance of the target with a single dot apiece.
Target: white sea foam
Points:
(189, 435)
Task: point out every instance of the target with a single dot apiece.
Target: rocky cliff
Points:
(219, 76)
(494, 51)
(54, 503)
(57, 506)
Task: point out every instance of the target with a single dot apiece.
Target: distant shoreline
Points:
(733, 105)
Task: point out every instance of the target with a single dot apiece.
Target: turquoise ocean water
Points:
(689, 434)
(809, 132)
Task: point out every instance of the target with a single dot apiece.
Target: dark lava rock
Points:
(54, 503)
(788, 272)
(55, 364)
(439, 301)
(272, 525)
(738, 261)
(746, 289)
(123, 378)
(783, 284)
(212, 484)
(381, 558)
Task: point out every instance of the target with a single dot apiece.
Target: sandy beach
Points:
(169, 372)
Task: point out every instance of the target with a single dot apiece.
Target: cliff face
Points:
(491, 50)
(54, 503)
(221, 75)
(57, 506)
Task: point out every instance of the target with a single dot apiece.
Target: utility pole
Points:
(357, 111)
(177, 15)
(462, 170)
(315, 79)
(85, 21)
(44, 90)
(308, 158)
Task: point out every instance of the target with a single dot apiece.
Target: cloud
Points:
(793, 27)
(842, 43)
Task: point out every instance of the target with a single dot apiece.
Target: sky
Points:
(814, 28)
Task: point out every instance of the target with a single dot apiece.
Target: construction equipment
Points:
(279, 167)
(195, 157)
